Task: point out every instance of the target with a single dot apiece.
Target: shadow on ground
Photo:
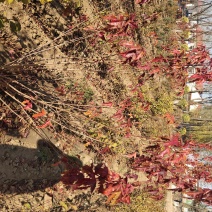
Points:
(24, 170)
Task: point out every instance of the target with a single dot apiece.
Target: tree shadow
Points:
(26, 170)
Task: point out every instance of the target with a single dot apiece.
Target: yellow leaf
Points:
(63, 204)
(113, 145)
(74, 207)
(9, 1)
(100, 135)
(45, 1)
(27, 205)
(87, 144)
(79, 4)
(42, 1)
(88, 113)
(99, 126)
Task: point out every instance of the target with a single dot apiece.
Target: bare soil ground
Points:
(48, 46)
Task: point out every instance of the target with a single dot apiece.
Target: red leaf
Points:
(48, 123)
(177, 160)
(145, 67)
(130, 44)
(174, 141)
(127, 135)
(108, 190)
(113, 177)
(61, 90)
(105, 150)
(27, 105)
(194, 194)
(146, 107)
(102, 36)
(176, 51)
(157, 70)
(132, 155)
(159, 59)
(108, 104)
(128, 54)
(119, 115)
(166, 151)
(113, 18)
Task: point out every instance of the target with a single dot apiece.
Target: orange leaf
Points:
(170, 118)
(40, 114)
(112, 199)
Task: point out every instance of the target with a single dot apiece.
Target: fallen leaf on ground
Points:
(40, 114)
